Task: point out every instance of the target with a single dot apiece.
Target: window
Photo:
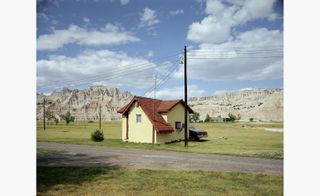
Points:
(178, 125)
(138, 118)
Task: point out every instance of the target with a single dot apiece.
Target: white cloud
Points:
(97, 67)
(108, 35)
(148, 17)
(150, 53)
(222, 17)
(177, 92)
(220, 92)
(273, 17)
(124, 2)
(86, 20)
(43, 17)
(246, 89)
(176, 12)
(252, 55)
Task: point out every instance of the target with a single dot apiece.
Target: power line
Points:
(113, 75)
(239, 47)
(163, 80)
(234, 52)
(236, 57)
(170, 71)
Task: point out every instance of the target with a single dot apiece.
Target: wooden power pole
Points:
(185, 99)
(44, 114)
(100, 117)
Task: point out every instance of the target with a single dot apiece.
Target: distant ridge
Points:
(259, 104)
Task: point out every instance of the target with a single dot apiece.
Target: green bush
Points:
(97, 135)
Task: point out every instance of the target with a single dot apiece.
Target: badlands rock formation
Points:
(259, 104)
(84, 104)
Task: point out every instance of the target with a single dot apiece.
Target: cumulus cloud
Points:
(251, 55)
(222, 17)
(108, 35)
(220, 92)
(177, 92)
(150, 53)
(97, 67)
(86, 20)
(176, 12)
(148, 17)
(124, 2)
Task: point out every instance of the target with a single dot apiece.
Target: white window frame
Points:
(178, 125)
(138, 120)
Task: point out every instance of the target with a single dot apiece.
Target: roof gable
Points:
(167, 105)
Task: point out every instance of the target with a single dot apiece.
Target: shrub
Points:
(90, 121)
(97, 135)
(207, 119)
(251, 119)
(232, 117)
(67, 117)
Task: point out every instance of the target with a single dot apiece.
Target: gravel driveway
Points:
(85, 155)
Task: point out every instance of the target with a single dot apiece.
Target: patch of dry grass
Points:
(116, 181)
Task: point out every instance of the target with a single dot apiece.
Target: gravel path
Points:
(85, 155)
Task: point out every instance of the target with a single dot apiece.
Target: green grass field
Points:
(239, 139)
(116, 181)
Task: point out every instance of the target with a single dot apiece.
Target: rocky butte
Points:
(84, 104)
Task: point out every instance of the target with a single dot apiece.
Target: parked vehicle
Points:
(196, 134)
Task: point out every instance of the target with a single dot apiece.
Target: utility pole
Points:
(44, 114)
(185, 99)
(154, 109)
(154, 94)
(100, 117)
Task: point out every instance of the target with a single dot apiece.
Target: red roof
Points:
(149, 105)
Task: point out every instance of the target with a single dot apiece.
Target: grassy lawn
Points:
(45, 151)
(116, 181)
(241, 139)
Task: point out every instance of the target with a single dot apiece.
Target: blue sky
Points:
(232, 45)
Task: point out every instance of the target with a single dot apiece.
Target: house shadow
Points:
(199, 140)
(67, 169)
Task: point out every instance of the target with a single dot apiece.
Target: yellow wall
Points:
(124, 124)
(175, 114)
(142, 132)
(139, 132)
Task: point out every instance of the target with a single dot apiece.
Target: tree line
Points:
(66, 117)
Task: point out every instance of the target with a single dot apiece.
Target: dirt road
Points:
(85, 155)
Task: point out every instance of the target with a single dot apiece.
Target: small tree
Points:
(68, 118)
(207, 119)
(56, 120)
(232, 117)
(49, 116)
(194, 117)
(251, 119)
(97, 135)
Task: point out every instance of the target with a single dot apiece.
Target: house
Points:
(154, 121)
